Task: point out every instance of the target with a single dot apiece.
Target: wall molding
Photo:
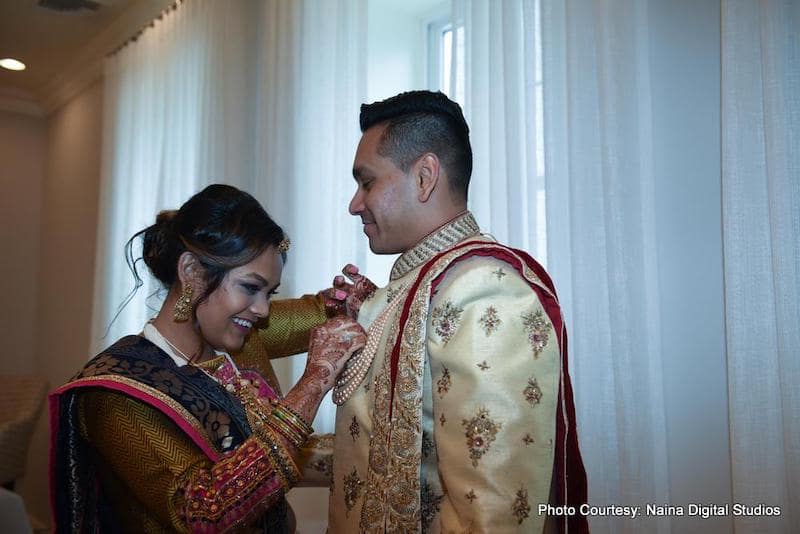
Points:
(87, 67)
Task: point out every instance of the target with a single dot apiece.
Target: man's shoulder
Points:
(481, 275)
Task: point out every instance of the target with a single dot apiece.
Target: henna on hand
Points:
(360, 289)
(332, 343)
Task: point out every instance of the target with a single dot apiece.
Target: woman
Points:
(165, 430)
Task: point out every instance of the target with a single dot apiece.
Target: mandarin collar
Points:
(444, 237)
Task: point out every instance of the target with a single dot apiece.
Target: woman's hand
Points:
(332, 344)
(346, 297)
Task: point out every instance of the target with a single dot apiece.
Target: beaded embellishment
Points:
(357, 366)
(481, 433)
(536, 327)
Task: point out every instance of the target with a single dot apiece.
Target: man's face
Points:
(386, 197)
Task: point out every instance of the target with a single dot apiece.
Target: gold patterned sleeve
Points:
(166, 476)
(495, 364)
(287, 330)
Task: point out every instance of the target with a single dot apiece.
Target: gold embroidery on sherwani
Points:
(441, 239)
(471, 496)
(442, 420)
(536, 326)
(481, 433)
(521, 509)
(533, 394)
(483, 365)
(443, 384)
(445, 320)
(490, 321)
(527, 439)
(499, 273)
(352, 489)
(354, 429)
(391, 293)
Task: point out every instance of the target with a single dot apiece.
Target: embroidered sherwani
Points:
(464, 421)
(140, 444)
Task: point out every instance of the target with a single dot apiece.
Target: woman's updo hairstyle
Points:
(222, 226)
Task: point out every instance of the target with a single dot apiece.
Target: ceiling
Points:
(63, 50)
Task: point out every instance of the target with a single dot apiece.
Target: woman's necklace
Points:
(175, 350)
(178, 352)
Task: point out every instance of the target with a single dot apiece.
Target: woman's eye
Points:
(251, 288)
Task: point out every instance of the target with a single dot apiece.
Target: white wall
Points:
(22, 154)
(685, 63)
(66, 231)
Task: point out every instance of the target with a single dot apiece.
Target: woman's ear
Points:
(189, 270)
(427, 171)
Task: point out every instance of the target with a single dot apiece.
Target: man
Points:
(458, 415)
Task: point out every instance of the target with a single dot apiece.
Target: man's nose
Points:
(357, 203)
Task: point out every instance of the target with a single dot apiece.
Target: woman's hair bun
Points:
(161, 246)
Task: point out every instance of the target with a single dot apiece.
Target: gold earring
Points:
(183, 306)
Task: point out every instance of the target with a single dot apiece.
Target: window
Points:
(446, 53)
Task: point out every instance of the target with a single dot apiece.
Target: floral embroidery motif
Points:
(471, 496)
(536, 327)
(218, 424)
(392, 292)
(490, 320)
(521, 509)
(445, 320)
(352, 489)
(532, 392)
(430, 503)
(355, 430)
(483, 365)
(481, 433)
(166, 382)
(443, 384)
(427, 444)
(442, 420)
(527, 439)
(499, 273)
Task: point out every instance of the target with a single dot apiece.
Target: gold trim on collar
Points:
(444, 237)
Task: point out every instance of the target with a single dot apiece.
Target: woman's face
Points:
(227, 316)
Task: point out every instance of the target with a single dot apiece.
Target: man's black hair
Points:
(423, 121)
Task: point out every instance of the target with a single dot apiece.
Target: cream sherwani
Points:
(453, 428)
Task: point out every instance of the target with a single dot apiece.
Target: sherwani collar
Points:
(444, 237)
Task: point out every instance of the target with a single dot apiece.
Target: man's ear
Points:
(428, 174)
(190, 272)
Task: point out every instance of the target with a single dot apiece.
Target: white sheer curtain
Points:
(263, 95)
(497, 76)
(586, 150)
(761, 230)
(601, 245)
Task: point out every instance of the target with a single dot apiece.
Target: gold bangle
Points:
(292, 416)
(290, 434)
